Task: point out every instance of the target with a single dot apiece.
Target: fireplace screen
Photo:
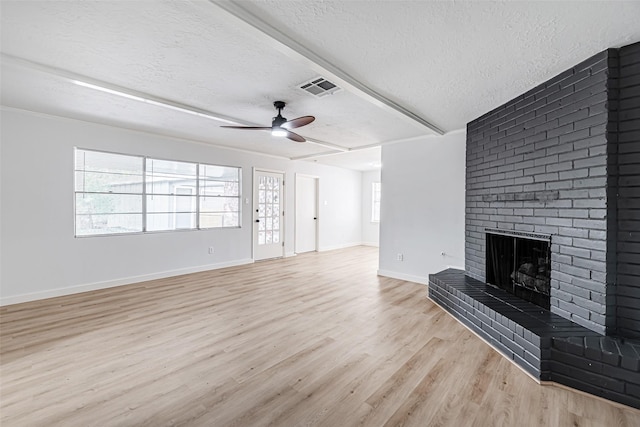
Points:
(520, 263)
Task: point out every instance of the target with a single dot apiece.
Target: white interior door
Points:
(268, 215)
(306, 213)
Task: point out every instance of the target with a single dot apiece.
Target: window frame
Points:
(144, 194)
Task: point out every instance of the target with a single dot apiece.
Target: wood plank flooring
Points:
(313, 340)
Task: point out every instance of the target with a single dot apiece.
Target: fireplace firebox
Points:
(520, 263)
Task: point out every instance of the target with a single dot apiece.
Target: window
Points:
(108, 193)
(375, 202)
(171, 195)
(116, 193)
(219, 196)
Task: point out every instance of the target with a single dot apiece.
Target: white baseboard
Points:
(343, 246)
(16, 299)
(403, 276)
(290, 254)
(374, 244)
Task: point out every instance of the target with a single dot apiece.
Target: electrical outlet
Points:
(400, 257)
(211, 250)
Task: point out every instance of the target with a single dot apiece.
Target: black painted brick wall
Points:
(628, 236)
(539, 163)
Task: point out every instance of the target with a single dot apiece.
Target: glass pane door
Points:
(268, 214)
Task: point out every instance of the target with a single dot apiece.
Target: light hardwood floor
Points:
(316, 339)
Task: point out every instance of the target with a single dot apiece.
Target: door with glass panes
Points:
(268, 215)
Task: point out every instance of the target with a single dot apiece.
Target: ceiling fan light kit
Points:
(280, 126)
(278, 131)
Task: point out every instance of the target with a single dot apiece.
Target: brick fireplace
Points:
(562, 160)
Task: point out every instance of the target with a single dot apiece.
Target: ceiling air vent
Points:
(319, 87)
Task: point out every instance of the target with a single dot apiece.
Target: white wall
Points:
(42, 258)
(422, 210)
(370, 230)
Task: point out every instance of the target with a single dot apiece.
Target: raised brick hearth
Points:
(562, 160)
(547, 346)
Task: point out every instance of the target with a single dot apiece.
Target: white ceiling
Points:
(407, 68)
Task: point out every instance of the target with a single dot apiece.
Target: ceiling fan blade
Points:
(295, 137)
(247, 127)
(296, 123)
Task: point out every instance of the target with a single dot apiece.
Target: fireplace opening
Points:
(520, 263)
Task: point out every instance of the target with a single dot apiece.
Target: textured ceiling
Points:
(444, 62)
(454, 61)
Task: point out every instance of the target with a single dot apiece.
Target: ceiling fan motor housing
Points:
(278, 120)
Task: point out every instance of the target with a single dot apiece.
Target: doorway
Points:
(306, 220)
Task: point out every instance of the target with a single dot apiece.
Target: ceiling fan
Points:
(280, 126)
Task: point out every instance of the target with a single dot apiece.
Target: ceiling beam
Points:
(329, 145)
(313, 156)
(100, 85)
(366, 147)
(370, 146)
(297, 51)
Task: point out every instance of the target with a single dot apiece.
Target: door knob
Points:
(257, 220)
